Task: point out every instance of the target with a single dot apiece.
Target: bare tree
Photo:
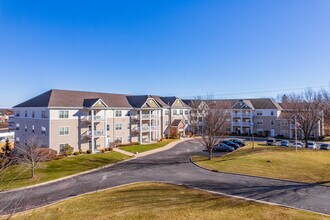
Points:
(326, 98)
(211, 119)
(308, 107)
(31, 154)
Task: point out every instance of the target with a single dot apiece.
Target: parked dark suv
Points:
(232, 144)
(238, 141)
(271, 142)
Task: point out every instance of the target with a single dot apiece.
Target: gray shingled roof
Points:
(137, 101)
(66, 98)
(169, 99)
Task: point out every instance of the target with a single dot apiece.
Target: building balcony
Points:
(97, 133)
(242, 123)
(95, 118)
(236, 115)
(145, 116)
(146, 128)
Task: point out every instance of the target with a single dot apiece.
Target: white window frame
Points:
(260, 122)
(118, 127)
(119, 139)
(64, 130)
(43, 114)
(118, 113)
(259, 112)
(64, 145)
(63, 114)
(43, 130)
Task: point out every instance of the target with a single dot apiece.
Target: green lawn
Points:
(146, 147)
(276, 162)
(19, 176)
(162, 201)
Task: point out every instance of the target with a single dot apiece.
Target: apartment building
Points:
(255, 115)
(90, 120)
(268, 118)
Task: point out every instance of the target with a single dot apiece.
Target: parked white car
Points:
(311, 145)
(298, 144)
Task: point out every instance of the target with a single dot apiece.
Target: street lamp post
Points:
(251, 124)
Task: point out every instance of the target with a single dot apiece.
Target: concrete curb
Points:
(166, 147)
(175, 184)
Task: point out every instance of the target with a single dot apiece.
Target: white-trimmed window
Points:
(166, 123)
(43, 114)
(108, 127)
(186, 112)
(259, 112)
(119, 139)
(62, 147)
(272, 122)
(259, 122)
(25, 127)
(43, 130)
(166, 112)
(33, 114)
(118, 126)
(181, 111)
(118, 113)
(17, 113)
(272, 113)
(32, 128)
(63, 114)
(64, 130)
(17, 140)
(284, 123)
(17, 126)
(175, 112)
(25, 113)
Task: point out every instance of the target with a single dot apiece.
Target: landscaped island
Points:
(275, 162)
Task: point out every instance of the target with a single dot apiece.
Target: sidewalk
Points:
(123, 152)
(166, 147)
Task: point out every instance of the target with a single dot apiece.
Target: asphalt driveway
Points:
(172, 166)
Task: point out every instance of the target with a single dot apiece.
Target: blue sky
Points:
(230, 48)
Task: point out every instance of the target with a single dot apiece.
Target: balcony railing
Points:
(145, 116)
(96, 118)
(146, 128)
(97, 133)
(242, 123)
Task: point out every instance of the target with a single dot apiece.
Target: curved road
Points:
(172, 166)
